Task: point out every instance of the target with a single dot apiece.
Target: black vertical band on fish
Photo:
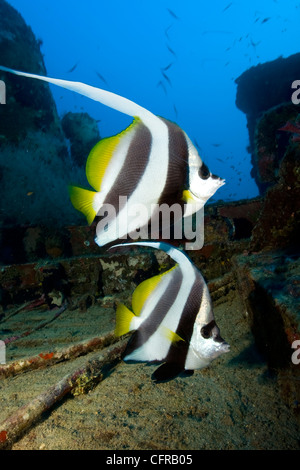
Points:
(133, 167)
(177, 177)
(178, 351)
(154, 320)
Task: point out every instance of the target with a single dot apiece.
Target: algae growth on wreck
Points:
(59, 291)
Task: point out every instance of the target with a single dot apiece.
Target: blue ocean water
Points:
(178, 59)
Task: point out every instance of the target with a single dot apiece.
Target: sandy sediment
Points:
(236, 403)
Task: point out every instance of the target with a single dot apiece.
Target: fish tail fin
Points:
(124, 318)
(107, 98)
(82, 200)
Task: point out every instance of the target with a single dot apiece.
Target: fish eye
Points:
(204, 172)
(205, 332)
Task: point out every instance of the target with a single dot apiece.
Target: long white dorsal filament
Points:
(107, 98)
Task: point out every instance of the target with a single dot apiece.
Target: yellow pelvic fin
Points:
(82, 200)
(188, 197)
(123, 319)
(143, 291)
(101, 155)
(170, 335)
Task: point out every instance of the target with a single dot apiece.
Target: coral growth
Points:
(29, 105)
(34, 183)
(83, 133)
(35, 165)
(264, 95)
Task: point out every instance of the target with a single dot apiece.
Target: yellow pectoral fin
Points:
(188, 197)
(124, 318)
(82, 200)
(170, 335)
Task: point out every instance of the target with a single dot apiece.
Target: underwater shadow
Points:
(250, 357)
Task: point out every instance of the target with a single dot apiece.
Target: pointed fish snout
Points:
(225, 347)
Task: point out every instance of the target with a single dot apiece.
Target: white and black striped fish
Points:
(172, 319)
(150, 163)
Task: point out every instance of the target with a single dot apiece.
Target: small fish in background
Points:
(164, 69)
(166, 78)
(73, 68)
(101, 77)
(127, 166)
(171, 50)
(167, 31)
(161, 84)
(226, 8)
(254, 44)
(291, 127)
(173, 14)
(197, 145)
(175, 111)
(172, 319)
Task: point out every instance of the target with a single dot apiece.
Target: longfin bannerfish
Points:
(128, 165)
(172, 318)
